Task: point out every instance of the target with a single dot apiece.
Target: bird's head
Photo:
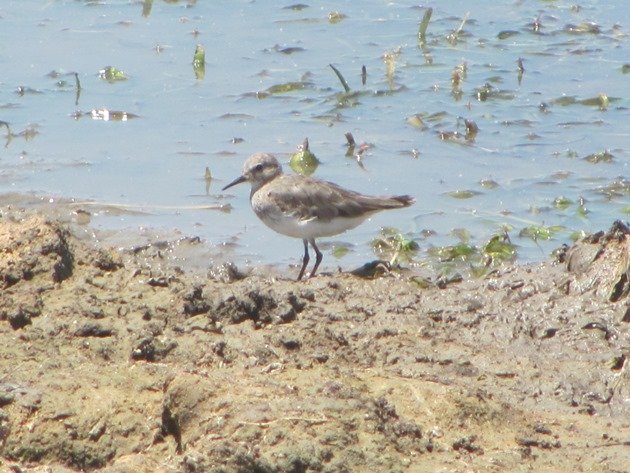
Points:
(259, 169)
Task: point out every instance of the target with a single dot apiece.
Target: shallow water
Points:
(531, 146)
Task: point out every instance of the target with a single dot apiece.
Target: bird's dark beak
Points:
(238, 180)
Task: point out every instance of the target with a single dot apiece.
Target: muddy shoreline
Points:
(120, 362)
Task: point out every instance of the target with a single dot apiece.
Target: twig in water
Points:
(452, 37)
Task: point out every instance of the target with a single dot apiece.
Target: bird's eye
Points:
(258, 167)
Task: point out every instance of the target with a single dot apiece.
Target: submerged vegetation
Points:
(463, 258)
(112, 74)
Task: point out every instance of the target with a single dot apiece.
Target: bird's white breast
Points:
(293, 226)
(313, 228)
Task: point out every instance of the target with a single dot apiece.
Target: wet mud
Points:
(116, 361)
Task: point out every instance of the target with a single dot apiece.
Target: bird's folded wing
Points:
(309, 199)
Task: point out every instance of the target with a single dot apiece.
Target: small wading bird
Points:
(307, 208)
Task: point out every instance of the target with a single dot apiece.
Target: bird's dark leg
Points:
(304, 260)
(318, 256)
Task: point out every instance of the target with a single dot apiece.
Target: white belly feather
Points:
(305, 229)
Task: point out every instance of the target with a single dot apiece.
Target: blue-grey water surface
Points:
(532, 142)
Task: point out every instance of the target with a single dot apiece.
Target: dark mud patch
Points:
(112, 363)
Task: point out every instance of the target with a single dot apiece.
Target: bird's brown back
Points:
(309, 198)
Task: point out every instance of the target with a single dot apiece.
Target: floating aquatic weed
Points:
(488, 184)
(296, 7)
(562, 202)
(282, 89)
(29, 133)
(390, 58)
(618, 188)
(478, 261)
(602, 101)
(350, 143)
(505, 34)
(626, 210)
(457, 76)
(462, 234)
(540, 232)
(55, 74)
(482, 93)
(288, 50)
(561, 175)
(625, 69)
(487, 91)
(303, 161)
(336, 17)
(424, 24)
(112, 74)
(583, 28)
(461, 251)
(199, 62)
(110, 115)
(207, 177)
(522, 122)
(582, 211)
(23, 90)
(564, 100)
(242, 117)
(9, 134)
(456, 137)
(147, 5)
(536, 25)
(347, 100)
(461, 138)
(571, 153)
(416, 121)
(394, 246)
(499, 249)
(455, 35)
(60, 81)
(462, 68)
(437, 117)
(471, 130)
(340, 250)
(341, 78)
(494, 80)
(386, 93)
(600, 157)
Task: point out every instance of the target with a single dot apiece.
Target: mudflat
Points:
(117, 361)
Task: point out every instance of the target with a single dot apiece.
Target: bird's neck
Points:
(257, 185)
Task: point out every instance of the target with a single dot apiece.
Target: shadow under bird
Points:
(307, 208)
